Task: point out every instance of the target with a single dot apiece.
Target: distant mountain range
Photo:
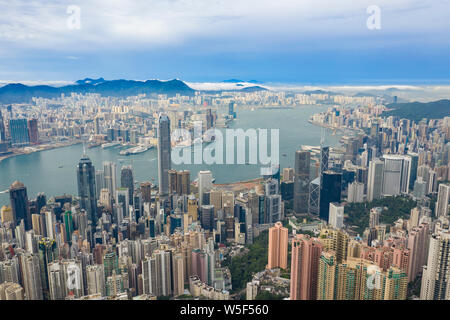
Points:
(20, 93)
(416, 111)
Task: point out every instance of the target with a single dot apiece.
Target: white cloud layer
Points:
(122, 24)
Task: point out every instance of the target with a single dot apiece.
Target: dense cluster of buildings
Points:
(119, 239)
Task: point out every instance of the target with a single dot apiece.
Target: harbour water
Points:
(53, 171)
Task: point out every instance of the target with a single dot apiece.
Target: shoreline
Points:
(39, 148)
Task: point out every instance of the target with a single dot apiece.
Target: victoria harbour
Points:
(53, 171)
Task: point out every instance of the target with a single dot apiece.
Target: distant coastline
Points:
(39, 148)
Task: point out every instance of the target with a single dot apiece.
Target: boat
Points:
(94, 145)
(134, 150)
(110, 144)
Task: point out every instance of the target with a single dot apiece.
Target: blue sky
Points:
(286, 41)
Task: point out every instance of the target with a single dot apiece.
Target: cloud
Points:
(156, 23)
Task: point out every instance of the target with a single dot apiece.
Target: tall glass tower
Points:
(86, 188)
(164, 151)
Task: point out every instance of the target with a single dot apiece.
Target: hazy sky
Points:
(292, 41)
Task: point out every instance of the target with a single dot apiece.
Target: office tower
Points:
(414, 165)
(164, 154)
(99, 182)
(418, 240)
(109, 174)
(288, 174)
(183, 182)
(420, 188)
(355, 192)
(207, 212)
(86, 188)
(215, 199)
(193, 208)
(301, 186)
(18, 130)
(41, 201)
(121, 204)
(330, 191)
(336, 218)
(48, 252)
(324, 156)
(306, 253)
(68, 226)
(2, 128)
(95, 279)
(32, 282)
(146, 191)
(19, 204)
(105, 199)
(314, 197)
(435, 276)
(443, 200)
(33, 133)
(172, 178)
(127, 181)
(278, 246)
(50, 221)
(204, 182)
(273, 208)
(326, 276)
(396, 174)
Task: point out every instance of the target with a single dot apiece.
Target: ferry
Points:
(134, 150)
(110, 144)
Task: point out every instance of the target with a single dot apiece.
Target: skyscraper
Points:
(207, 220)
(435, 276)
(396, 174)
(306, 253)
(355, 192)
(443, 200)
(204, 183)
(2, 128)
(164, 154)
(86, 188)
(278, 246)
(127, 181)
(301, 186)
(19, 204)
(109, 174)
(18, 129)
(375, 180)
(33, 132)
(330, 191)
(336, 218)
